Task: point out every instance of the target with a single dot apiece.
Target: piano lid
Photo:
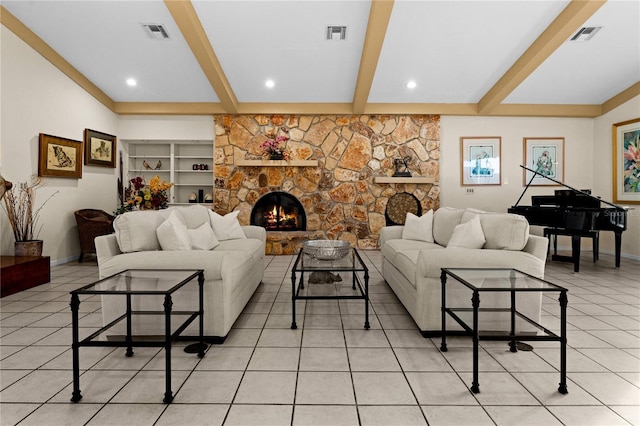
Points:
(587, 194)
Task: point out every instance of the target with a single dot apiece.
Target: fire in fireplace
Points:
(279, 211)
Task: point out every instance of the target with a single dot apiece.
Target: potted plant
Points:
(19, 204)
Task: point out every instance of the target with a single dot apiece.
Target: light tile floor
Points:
(330, 371)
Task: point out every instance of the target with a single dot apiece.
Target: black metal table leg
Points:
(563, 343)
(168, 394)
(366, 298)
(293, 300)
(203, 346)
(512, 343)
(129, 352)
(75, 305)
(475, 300)
(443, 281)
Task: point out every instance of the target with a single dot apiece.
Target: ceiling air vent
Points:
(336, 32)
(585, 33)
(155, 31)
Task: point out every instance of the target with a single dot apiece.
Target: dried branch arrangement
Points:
(19, 204)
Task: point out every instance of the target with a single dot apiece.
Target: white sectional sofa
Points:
(233, 269)
(414, 254)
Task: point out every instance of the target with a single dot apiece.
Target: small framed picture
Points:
(99, 149)
(626, 160)
(59, 157)
(480, 156)
(546, 157)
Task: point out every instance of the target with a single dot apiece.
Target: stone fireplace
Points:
(279, 211)
(338, 172)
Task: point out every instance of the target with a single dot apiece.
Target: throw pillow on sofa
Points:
(172, 234)
(136, 231)
(445, 219)
(418, 228)
(505, 231)
(226, 227)
(202, 238)
(468, 235)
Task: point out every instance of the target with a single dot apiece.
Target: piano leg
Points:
(618, 246)
(575, 252)
(596, 246)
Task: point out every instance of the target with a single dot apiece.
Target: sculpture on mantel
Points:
(402, 167)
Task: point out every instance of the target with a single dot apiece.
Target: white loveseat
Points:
(412, 265)
(233, 269)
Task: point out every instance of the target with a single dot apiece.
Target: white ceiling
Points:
(456, 51)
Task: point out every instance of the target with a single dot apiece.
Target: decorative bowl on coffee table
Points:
(326, 249)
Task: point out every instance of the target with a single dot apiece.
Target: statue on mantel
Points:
(402, 167)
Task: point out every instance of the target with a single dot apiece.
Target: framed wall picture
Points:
(99, 149)
(480, 156)
(626, 161)
(59, 157)
(545, 156)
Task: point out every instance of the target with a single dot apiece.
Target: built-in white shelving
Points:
(177, 161)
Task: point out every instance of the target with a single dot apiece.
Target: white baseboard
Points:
(63, 261)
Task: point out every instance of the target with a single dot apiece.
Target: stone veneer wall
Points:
(340, 197)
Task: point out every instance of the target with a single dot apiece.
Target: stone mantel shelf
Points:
(402, 179)
(278, 163)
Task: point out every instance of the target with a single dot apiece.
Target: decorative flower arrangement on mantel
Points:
(276, 148)
(141, 196)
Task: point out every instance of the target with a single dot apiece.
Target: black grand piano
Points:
(575, 213)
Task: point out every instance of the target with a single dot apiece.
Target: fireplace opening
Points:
(279, 211)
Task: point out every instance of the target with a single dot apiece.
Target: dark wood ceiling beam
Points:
(379, 16)
(567, 22)
(185, 16)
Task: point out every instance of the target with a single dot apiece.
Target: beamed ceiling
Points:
(466, 57)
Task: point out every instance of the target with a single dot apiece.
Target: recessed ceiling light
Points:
(131, 82)
(269, 83)
(411, 84)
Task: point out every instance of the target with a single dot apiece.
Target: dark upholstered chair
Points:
(91, 224)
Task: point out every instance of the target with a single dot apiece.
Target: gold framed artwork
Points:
(546, 156)
(480, 158)
(99, 149)
(626, 162)
(59, 157)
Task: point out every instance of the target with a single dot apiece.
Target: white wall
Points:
(37, 98)
(171, 128)
(587, 163)
(603, 172)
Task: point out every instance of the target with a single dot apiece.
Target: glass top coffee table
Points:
(140, 283)
(479, 281)
(343, 278)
